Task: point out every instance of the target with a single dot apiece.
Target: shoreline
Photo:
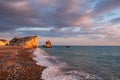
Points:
(17, 63)
(55, 69)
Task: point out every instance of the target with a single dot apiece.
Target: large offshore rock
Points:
(48, 44)
(26, 42)
(3, 42)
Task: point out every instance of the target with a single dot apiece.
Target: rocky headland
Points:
(26, 42)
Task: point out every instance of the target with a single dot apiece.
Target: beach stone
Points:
(26, 42)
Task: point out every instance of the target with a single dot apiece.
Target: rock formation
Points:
(3, 42)
(48, 44)
(26, 42)
(67, 46)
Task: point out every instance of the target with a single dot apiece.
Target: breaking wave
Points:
(54, 70)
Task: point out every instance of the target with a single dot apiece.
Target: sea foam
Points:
(54, 70)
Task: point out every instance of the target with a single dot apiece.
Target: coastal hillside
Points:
(3, 42)
(26, 42)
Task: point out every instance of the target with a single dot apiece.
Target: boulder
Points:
(26, 42)
(48, 44)
(3, 42)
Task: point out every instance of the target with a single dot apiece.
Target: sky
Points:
(64, 22)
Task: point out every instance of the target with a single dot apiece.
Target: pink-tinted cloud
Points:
(85, 22)
(73, 18)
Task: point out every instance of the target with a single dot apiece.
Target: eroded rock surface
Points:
(48, 44)
(26, 42)
(3, 42)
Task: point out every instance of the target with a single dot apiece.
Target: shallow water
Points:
(100, 61)
(56, 70)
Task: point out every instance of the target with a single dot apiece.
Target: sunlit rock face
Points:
(3, 42)
(48, 44)
(26, 42)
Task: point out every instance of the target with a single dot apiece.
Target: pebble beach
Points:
(16, 63)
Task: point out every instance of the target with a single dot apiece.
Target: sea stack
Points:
(26, 42)
(48, 44)
(3, 42)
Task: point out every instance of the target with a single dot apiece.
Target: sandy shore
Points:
(16, 63)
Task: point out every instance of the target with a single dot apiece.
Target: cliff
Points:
(48, 44)
(3, 42)
(26, 42)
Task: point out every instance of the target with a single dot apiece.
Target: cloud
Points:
(67, 18)
(109, 33)
(15, 9)
(39, 13)
(103, 6)
(84, 22)
(115, 20)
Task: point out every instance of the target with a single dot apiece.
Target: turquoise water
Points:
(98, 60)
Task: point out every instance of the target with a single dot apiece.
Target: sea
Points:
(79, 62)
